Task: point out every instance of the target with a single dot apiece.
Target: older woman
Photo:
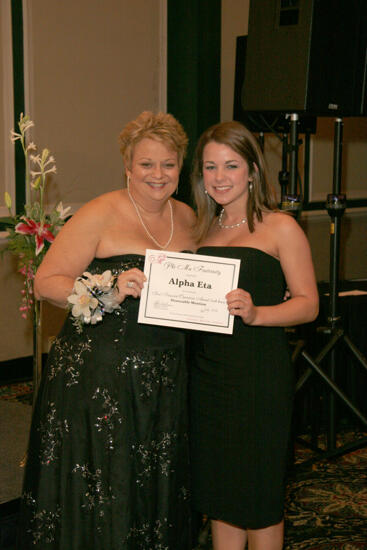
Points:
(108, 460)
(241, 384)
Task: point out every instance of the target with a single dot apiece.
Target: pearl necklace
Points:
(161, 246)
(222, 226)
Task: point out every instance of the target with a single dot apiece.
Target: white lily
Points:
(83, 302)
(25, 123)
(14, 136)
(31, 147)
(102, 281)
(96, 317)
(34, 173)
(63, 212)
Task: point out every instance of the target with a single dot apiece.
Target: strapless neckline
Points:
(119, 256)
(217, 247)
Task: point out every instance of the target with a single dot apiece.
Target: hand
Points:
(130, 283)
(240, 303)
(287, 295)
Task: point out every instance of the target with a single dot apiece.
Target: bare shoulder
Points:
(104, 202)
(282, 223)
(98, 209)
(184, 211)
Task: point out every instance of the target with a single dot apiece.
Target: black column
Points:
(193, 71)
(18, 86)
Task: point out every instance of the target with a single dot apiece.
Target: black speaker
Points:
(262, 121)
(307, 56)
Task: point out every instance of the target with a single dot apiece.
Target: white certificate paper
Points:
(188, 291)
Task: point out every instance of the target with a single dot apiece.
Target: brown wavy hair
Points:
(162, 127)
(262, 195)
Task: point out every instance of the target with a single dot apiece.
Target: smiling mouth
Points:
(222, 188)
(156, 185)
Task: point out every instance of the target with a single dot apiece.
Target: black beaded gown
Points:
(241, 403)
(107, 465)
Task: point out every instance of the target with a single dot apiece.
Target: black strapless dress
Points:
(107, 464)
(241, 403)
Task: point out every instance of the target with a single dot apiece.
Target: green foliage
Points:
(31, 233)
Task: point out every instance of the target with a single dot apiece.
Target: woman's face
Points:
(226, 174)
(154, 171)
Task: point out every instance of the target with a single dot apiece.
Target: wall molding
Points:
(162, 99)
(352, 212)
(7, 106)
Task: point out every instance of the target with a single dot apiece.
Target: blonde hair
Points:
(162, 127)
(261, 197)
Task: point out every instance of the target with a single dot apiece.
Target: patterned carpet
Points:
(20, 392)
(326, 505)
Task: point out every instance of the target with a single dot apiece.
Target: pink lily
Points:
(40, 231)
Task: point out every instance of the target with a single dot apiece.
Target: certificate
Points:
(188, 291)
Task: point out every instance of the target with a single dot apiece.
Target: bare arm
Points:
(296, 261)
(69, 255)
(73, 250)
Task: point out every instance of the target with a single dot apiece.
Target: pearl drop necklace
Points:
(222, 226)
(161, 246)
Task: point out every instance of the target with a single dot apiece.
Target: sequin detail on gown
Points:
(107, 463)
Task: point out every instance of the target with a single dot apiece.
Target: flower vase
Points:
(37, 347)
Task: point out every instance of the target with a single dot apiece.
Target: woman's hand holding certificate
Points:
(188, 291)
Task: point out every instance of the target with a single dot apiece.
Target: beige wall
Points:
(90, 67)
(234, 23)
(88, 71)
(353, 248)
(6, 106)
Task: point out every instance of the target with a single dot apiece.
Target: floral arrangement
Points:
(92, 297)
(31, 233)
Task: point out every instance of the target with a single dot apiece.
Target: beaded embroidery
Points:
(67, 358)
(110, 417)
(153, 379)
(43, 523)
(149, 535)
(95, 496)
(51, 432)
(153, 367)
(184, 493)
(156, 456)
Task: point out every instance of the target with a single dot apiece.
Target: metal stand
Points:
(283, 176)
(291, 201)
(335, 205)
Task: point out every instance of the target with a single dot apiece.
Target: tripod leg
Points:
(329, 346)
(361, 358)
(331, 432)
(334, 387)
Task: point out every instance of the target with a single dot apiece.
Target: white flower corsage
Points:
(92, 297)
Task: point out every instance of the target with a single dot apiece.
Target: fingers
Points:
(130, 283)
(238, 307)
(238, 298)
(240, 303)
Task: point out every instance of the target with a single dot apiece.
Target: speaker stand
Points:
(291, 201)
(335, 205)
